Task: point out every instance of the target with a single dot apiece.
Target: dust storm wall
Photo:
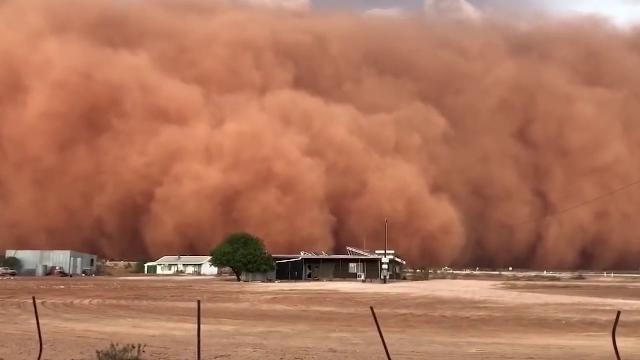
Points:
(135, 128)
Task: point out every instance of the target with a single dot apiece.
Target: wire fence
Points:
(373, 314)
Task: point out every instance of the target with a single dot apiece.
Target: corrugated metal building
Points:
(38, 262)
(357, 264)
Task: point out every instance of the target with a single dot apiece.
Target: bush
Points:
(12, 263)
(121, 352)
(138, 268)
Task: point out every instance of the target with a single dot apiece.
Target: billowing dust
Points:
(135, 128)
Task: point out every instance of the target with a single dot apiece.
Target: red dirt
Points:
(438, 319)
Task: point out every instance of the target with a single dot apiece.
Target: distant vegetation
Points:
(12, 263)
(138, 268)
(121, 352)
(242, 252)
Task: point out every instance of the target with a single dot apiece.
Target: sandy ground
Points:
(437, 319)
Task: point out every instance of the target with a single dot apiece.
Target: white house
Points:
(192, 265)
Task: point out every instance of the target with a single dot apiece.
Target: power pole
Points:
(386, 233)
(385, 260)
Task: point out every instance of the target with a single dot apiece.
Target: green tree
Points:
(242, 252)
(12, 263)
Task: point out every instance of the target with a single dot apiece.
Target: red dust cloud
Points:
(143, 128)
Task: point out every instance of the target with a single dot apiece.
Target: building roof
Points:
(352, 253)
(179, 259)
(332, 257)
(18, 251)
(326, 257)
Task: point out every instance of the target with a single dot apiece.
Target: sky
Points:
(622, 12)
(368, 4)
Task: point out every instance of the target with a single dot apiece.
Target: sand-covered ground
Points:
(437, 319)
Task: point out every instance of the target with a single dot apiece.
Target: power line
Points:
(589, 201)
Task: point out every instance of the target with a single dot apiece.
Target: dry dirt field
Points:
(437, 319)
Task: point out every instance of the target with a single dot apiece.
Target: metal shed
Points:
(38, 262)
(357, 264)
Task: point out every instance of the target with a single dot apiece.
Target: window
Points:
(91, 262)
(356, 268)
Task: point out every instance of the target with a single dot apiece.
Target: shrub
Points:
(138, 268)
(121, 352)
(12, 263)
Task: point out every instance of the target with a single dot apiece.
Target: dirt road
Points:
(438, 319)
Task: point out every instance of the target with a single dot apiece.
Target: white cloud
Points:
(459, 9)
(391, 12)
(622, 12)
(283, 4)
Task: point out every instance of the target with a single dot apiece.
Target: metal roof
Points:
(353, 253)
(183, 259)
(351, 250)
(354, 257)
(327, 256)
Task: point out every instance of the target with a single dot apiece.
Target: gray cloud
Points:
(364, 5)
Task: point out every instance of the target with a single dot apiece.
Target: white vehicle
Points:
(5, 271)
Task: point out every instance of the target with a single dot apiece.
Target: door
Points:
(152, 269)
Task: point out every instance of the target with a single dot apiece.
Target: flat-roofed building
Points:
(181, 264)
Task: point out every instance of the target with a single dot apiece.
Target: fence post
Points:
(35, 310)
(198, 331)
(384, 343)
(613, 335)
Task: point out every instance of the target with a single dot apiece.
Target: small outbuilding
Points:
(41, 262)
(180, 264)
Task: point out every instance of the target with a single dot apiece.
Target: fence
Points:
(373, 314)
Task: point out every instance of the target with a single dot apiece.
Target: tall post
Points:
(386, 236)
(386, 233)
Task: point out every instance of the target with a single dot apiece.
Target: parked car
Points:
(57, 271)
(88, 272)
(5, 271)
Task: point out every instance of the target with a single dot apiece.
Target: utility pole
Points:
(386, 233)
(385, 260)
